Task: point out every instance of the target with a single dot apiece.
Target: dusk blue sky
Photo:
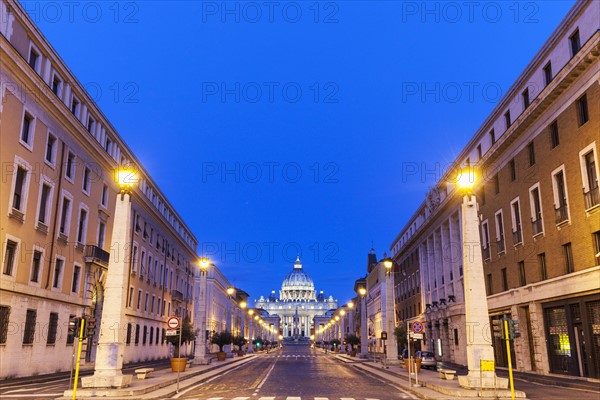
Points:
(323, 174)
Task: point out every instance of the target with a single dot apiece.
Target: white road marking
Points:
(293, 398)
(5, 396)
(266, 376)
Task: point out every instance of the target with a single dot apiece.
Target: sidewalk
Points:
(162, 383)
(432, 385)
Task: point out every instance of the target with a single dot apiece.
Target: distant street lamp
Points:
(476, 308)
(364, 344)
(243, 306)
(200, 312)
(390, 314)
(111, 342)
(351, 318)
(228, 324)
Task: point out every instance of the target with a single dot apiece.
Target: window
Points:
(568, 256)
(51, 149)
(522, 276)
(52, 328)
(542, 264)
(87, 178)
(582, 110)
(65, 216)
(554, 138)
(36, 266)
(493, 136)
(516, 221)
(27, 129)
(10, 255)
(70, 167)
(156, 336)
(134, 259)
(146, 303)
(575, 43)
(4, 319)
(139, 302)
(108, 145)
(525, 96)
(507, 119)
(589, 174)
(531, 152)
(82, 226)
(479, 152)
(101, 233)
(29, 333)
(137, 333)
(18, 202)
(500, 232)
(58, 270)
(70, 337)
(486, 240)
(145, 334)
(596, 236)
(91, 124)
(548, 73)
(76, 275)
(75, 104)
(34, 59)
(497, 183)
(104, 198)
(536, 209)
(560, 196)
(151, 336)
(128, 337)
(489, 284)
(56, 85)
(513, 170)
(504, 280)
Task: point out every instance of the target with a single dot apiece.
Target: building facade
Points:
(539, 208)
(297, 305)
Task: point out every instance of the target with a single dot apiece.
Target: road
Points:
(296, 372)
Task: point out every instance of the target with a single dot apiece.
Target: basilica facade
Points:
(297, 305)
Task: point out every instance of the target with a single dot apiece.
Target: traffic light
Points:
(498, 328)
(90, 327)
(513, 329)
(74, 324)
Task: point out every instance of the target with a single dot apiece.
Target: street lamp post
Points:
(390, 314)
(200, 313)
(250, 330)
(243, 306)
(342, 330)
(476, 309)
(362, 292)
(111, 342)
(351, 317)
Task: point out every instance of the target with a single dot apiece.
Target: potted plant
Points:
(221, 339)
(352, 340)
(188, 334)
(239, 341)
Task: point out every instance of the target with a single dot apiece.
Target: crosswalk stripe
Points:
(321, 398)
(240, 398)
(294, 398)
(216, 398)
(267, 398)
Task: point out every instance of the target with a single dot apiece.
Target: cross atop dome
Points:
(298, 264)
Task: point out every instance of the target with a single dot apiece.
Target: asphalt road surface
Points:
(297, 372)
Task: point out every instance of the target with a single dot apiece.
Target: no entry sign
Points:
(173, 322)
(417, 327)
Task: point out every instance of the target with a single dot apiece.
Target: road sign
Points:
(173, 322)
(417, 327)
(487, 365)
(171, 332)
(418, 336)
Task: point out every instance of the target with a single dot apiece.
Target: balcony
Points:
(562, 214)
(486, 253)
(500, 245)
(518, 236)
(591, 198)
(537, 226)
(94, 254)
(176, 295)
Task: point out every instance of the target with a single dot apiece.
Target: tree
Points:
(221, 339)
(187, 335)
(335, 343)
(239, 341)
(400, 332)
(257, 341)
(352, 340)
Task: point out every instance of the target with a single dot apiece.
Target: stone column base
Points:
(201, 360)
(106, 381)
(474, 381)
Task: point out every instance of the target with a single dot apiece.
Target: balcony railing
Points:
(176, 295)
(95, 254)
(500, 245)
(562, 214)
(486, 253)
(518, 236)
(591, 198)
(537, 226)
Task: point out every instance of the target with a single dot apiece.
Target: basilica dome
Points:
(297, 285)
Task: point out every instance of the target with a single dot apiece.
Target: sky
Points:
(301, 127)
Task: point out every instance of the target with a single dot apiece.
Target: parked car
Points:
(427, 359)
